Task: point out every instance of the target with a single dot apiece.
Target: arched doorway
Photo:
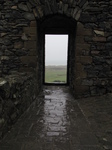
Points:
(58, 25)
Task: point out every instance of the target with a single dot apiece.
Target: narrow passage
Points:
(56, 124)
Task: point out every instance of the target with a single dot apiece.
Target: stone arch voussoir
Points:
(70, 8)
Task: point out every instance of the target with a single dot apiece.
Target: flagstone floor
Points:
(61, 122)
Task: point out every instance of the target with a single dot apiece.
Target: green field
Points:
(55, 74)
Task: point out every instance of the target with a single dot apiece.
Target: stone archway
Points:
(21, 50)
(19, 39)
(72, 8)
(44, 12)
(59, 24)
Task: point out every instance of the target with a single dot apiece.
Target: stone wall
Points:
(18, 38)
(17, 92)
(19, 72)
(22, 48)
(94, 49)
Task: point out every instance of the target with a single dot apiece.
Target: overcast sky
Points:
(56, 47)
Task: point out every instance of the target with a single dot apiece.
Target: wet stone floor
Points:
(57, 123)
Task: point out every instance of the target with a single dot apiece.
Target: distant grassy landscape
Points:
(55, 74)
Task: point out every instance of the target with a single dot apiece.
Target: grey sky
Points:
(56, 49)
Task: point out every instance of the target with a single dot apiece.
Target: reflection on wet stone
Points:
(58, 123)
(55, 114)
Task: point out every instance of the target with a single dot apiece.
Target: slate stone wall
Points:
(19, 76)
(18, 36)
(96, 59)
(17, 92)
(21, 49)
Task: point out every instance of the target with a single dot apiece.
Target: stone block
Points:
(32, 38)
(88, 39)
(98, 32)
(80, 48)
(108, 46)
(81, 90)
(30, 61)
(32, 52)
(24, 37)
(18, 45)
(77, 15)
(2, 121)
(109, 39)
(80, 40)
(88, 82)
(79, 67)
(80, 74)
(35, 13)
(83, 3)
(95, 52)
(30, 31)
(3, 34)
(82, 31)
(99, 39)
(26, 69)
(30, 45)
(5, 58)
(78, 81)
(65, 7)
(87, 18)
(84, 59)
(93, 90)
(33, 24)
(13, 116)
(40, 11)
(1, 108)
(23, 7)
(14, 7)
(29, 5)
(85, 53)
(29, 16)
(101, 46)
(84, 46)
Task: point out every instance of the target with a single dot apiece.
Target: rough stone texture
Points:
(58, 123)
(17, 92)
(18, 32)
(98, 112)
(21, 48)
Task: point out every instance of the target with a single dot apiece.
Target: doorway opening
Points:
(56, 59)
